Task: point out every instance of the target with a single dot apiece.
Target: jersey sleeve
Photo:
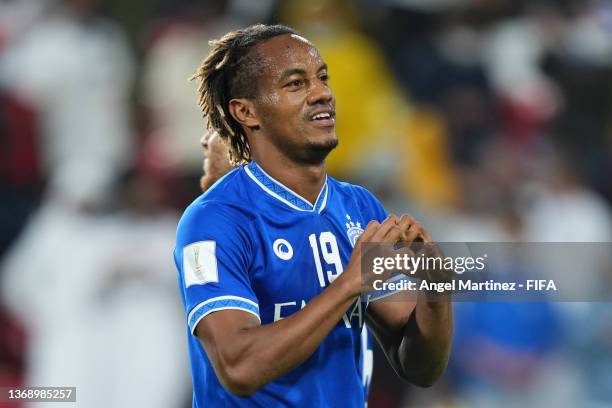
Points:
(212, 254)
(371, 208)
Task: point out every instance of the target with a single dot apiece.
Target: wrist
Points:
(434, 299)
(348, 286)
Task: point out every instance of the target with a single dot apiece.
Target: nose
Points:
(205, 140)
(320, 93)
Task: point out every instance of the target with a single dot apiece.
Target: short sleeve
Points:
(212, 254)
(371, 208)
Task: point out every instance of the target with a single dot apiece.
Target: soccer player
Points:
(269, 257)
(216, 159)
(216, 164)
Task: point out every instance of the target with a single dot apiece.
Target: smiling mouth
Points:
(323, 119)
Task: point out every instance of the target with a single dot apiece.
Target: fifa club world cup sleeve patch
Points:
(200, 263)
(212, 254)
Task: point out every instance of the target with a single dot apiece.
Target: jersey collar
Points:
(284, 194)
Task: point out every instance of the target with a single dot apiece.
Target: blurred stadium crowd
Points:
(491, 120)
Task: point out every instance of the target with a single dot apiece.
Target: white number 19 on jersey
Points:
(331, 255)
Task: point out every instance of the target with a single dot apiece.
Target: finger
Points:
(407, 217)
(372, 227)
(406, 222)
(386, 225)
(413, 232)
(391, 222)
(391, 235)
(426, 237)
(423, 235)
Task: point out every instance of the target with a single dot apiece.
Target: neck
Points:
(304, 179)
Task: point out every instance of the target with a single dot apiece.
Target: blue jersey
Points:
(249, 243)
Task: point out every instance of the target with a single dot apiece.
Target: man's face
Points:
(216, 159)
(295, 105)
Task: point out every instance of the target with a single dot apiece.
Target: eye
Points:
(324, 78)
(296, 83)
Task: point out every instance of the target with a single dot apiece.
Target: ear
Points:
(243, 110)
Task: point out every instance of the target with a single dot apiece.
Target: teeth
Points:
(324, 115)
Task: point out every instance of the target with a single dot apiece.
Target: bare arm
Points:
(415, 336)
(247, 355)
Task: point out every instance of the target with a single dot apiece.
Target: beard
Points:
(309, 153)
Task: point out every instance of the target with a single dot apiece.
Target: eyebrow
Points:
(299, 71)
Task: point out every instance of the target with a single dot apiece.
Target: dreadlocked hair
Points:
(230, 71)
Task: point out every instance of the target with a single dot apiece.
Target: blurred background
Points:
(490, 120)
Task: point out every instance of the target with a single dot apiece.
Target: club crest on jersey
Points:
(282, 248)
(353, 230)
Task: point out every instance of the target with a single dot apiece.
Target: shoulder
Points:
(367, 202)
(360, 193)
(228, 187)
(218, 213)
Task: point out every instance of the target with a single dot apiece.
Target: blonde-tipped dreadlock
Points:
(230, 71)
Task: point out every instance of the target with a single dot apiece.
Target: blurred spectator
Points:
(20, 177)
(13, 347)
(591, 353)
(16, 17)
(177, 46)
(108, 320)
(75, 68)
(588, 36)
(514, 56)
(501, 350)
(563, 209)
(560, 208)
